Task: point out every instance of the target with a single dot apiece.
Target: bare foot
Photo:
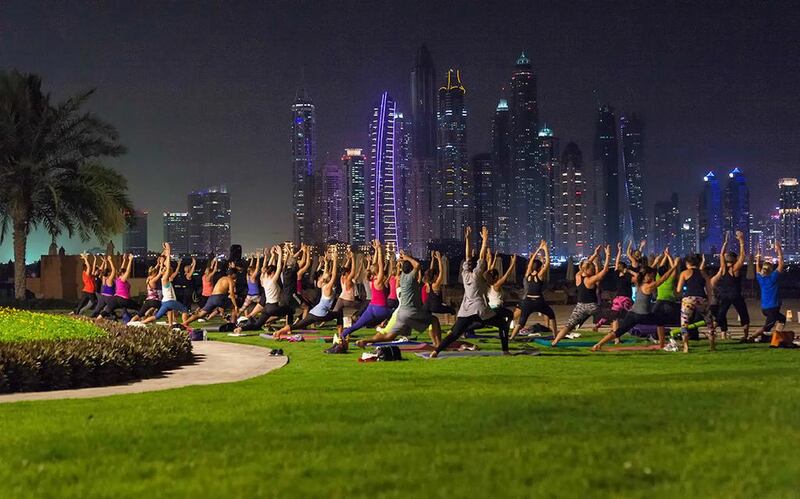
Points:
(237, 330)
(361, 344)
(433, 355)
(596, 348)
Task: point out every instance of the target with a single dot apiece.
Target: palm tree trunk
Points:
(20, 244)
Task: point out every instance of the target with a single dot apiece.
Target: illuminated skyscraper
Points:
(176, 231)
(632, 133)
(483, 169)
(547, 159)
(667, 225)
(381, 173)
(304, 154)
(210, 221)
(688, 236)
(527, 194)
(353, 161)
(571, 203)
(604, 187)
(423, 151)
(403, 180)
(454, 192)
(709, 218)
(736, 205)
(332, 203)
(789, 214)
(503, 181)
(134, 239)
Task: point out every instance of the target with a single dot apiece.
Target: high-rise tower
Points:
(403, 163)
(423, 127)
(332, 202)
(503, 182)
(547, 159)
(528, 193)
(304, 154)
(632, 133)
(353, 161)
(571, 210)
(606, 221)
(482, 169)
(454, 192)
(382, 171)
(709, 219)
(789, 215)
(210, 221)
(736, 205)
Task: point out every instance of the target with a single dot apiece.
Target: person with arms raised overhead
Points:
(695, 284)
(587, 280)
(768, 276)
(727, 284)
(533, 292)
(474, 311)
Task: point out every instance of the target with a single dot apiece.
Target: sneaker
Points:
(242, 319)
(201, 320)
(136, 324)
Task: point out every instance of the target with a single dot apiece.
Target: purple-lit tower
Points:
(382, 172)
(304, 153)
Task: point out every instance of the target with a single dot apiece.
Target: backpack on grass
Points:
(388, 353)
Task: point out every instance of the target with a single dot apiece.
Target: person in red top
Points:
(88, 298)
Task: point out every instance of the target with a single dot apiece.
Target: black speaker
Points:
(236, 253)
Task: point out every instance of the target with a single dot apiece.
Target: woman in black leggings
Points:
(728, 286)
(533, 292)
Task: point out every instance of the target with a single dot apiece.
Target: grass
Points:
(22, 325)
(565, 423)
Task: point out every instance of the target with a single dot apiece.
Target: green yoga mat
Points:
(575, 343)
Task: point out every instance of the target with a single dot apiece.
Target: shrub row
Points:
(123, 355)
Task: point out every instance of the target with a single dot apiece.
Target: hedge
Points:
(122, 355)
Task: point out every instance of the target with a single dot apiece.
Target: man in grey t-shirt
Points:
(409, 314)
(474, 311)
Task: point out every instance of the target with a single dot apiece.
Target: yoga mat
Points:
(474, 353)
(633, 348)
(574, 343)
(651, 329)
(417, 346)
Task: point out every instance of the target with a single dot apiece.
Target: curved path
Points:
(215, 362)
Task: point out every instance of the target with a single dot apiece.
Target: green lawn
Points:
(565, 423)
(20, 325)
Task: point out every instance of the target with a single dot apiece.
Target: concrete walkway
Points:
(215, 362)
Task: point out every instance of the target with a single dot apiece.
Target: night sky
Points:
(200, 91)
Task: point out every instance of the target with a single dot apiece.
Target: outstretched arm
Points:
(742, 257)
(499, 284)
(599, 276)
(440, 276)
(467, 249)
(723, 266)
(619, 255)
(278, 266)
(484, 243)
(379, 258)
(165, 277)
(779, 250)
(661, 280)
(546, 265)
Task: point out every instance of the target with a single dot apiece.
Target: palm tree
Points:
(50, 175)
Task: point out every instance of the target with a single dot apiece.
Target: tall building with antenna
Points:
(382, 172)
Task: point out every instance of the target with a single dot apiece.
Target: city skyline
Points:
(706, 99)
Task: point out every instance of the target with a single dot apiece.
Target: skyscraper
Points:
(688, 236)
(632, 133)
(571, 210)
(709, 217)
(483, 169)
(403, 181)
(210, 221)
(789, 214)
(353, 161)
(666, 225)
(423, 153)
(547, 159)
(381, 192)
(736, 205)
(606, 220)
(503, 181)
(528, 193)
(423, 106)
(454, 199)
(304, 154)
(176, 231)
(134, 239)
(332, 203)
